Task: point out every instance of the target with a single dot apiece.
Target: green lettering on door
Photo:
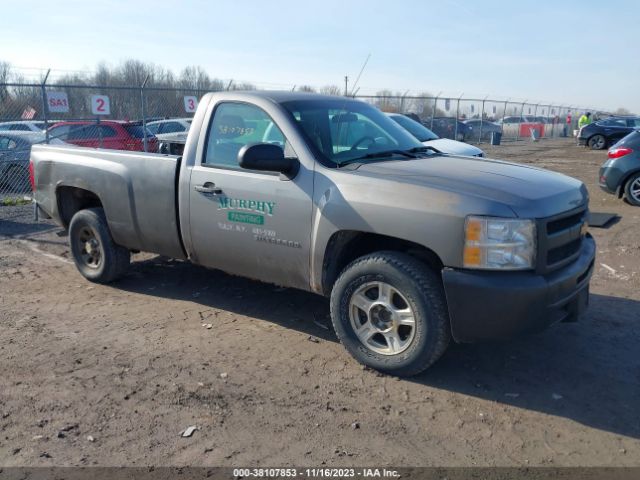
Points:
(245, 218)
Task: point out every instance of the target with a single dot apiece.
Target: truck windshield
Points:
(345, 131)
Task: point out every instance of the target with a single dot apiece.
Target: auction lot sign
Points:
(190, 104)
(100, 105)
(58, 102)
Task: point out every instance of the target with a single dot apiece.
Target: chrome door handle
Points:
(209, 188)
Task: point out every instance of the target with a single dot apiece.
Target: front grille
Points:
(556, 226)
(558, 254)
(559, 239)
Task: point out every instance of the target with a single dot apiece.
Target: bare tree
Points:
(330, 90)
(5, 74)
(306, 88)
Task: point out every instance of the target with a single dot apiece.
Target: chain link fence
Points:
(476, 120)
(137, 118)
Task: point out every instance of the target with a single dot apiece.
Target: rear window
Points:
(137, 131)
(631, 140)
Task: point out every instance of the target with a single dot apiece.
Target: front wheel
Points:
(597, 142)
(632, 190)
(96, 255)
(389, 311)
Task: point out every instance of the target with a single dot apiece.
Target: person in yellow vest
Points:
(584, 120)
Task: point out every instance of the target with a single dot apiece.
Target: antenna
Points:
(358, 77)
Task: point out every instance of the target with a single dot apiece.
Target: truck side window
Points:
(235, 125)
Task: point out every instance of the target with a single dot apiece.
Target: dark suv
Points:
(599, 135)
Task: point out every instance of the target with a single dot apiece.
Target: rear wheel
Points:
(96, 255)
(597, 142)
(389, 311)
(632, 190)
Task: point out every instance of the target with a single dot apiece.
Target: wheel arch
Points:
(344, 246)
(71, 200)
(625, 179)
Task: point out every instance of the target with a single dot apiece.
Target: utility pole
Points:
(346, 86)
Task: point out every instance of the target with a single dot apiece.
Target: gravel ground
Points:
(110, 375)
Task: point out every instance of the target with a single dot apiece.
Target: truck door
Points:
(254, 224)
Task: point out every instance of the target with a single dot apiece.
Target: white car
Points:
(170, 125)
(430, 139)
(23, 126)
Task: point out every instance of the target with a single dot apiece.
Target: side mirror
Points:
(267, 157)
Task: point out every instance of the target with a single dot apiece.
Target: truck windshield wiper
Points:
(388, 153)
(382, 154)
(424, 148)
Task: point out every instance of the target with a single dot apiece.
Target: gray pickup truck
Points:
(328, 194)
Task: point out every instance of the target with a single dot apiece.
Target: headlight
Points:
(499, 243)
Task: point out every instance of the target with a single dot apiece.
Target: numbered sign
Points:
(190, 104)
(100, 105)
(58, 102)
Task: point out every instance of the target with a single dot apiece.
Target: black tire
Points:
(597, 142)
(107, 261)
(420, 288)
(631, 192)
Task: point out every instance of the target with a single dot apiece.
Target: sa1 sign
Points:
(58, 102)
(190, 104)
(100, 105)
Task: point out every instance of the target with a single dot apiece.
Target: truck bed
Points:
(136, 190)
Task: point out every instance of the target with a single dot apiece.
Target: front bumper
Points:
(487, 305)
(582, 142)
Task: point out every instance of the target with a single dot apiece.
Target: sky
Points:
(583, 53)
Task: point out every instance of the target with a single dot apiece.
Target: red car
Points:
(113, 134)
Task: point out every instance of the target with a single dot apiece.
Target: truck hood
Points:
(446, 145)
(528, 191)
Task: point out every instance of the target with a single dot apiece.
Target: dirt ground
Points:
(110, 375)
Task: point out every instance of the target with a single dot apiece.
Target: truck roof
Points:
(277, 96)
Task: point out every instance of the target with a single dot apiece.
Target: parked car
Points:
(172, 143)
(427, 137)
(515, 126)
(599, 135)
(170, 125)
(329, 195)
(620, 174)
(15, 148)
(445, 127)
(23, 126)
(481, 130)
(112, 134)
